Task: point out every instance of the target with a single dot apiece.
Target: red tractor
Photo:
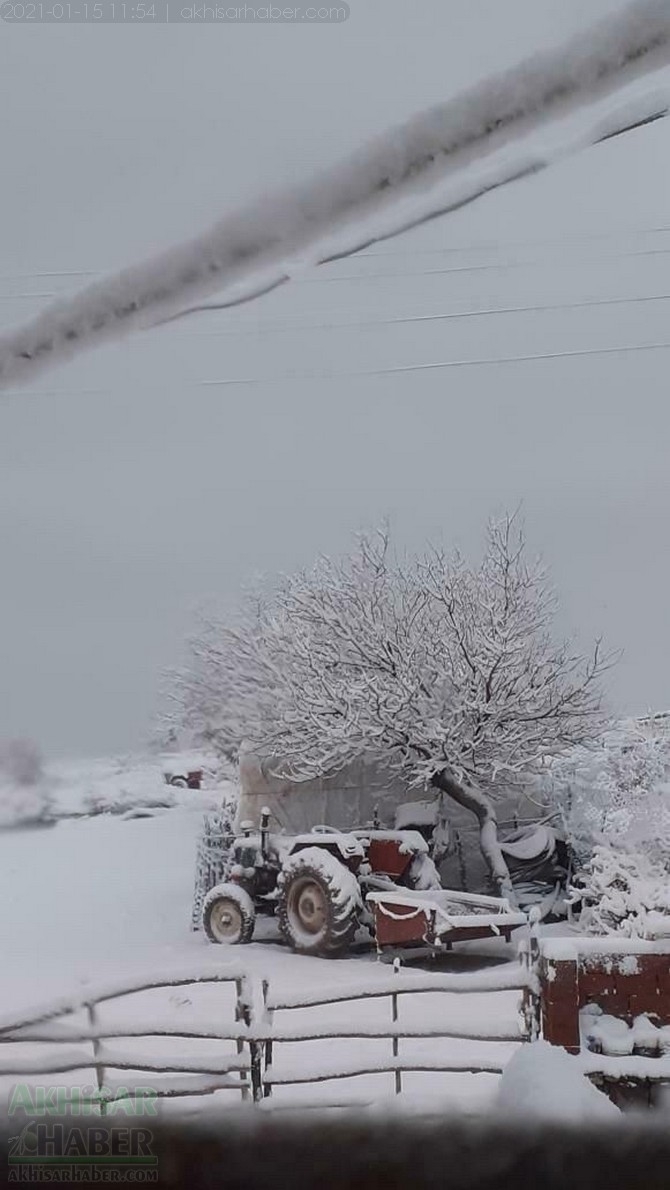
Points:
(315, 884)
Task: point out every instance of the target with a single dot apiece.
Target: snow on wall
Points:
(258, 241)
(564, 949)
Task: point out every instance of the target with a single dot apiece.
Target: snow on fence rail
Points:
(56, 1023)
(88, 1044)
(513, 978)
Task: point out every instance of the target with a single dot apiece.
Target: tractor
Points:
(315, 884)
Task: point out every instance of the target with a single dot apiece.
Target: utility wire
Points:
(555, 242)
(490, 312)
(462, 363)
(471, 246)
(490, 266)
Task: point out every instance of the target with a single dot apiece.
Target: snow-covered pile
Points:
(543, 1082)
(616, 1038)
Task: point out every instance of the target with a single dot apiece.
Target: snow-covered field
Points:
(93, 900)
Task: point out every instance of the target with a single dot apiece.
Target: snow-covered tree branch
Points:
(443, 668)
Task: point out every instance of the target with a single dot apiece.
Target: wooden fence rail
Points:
(515, 978)
(82, 1041)
(201, 1075)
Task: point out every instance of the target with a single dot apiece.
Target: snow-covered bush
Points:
(617, 791)
(623, 893)
(24, 791)
(614, 799)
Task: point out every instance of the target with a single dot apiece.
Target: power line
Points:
(14, 297)
(494, 311)
(52, 273)
(317, 279)
(463, 363)
(285, 278)
(470, 246)
(503, 266)
(556, 241)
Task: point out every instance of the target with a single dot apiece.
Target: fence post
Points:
(244, 1005)
(242, 1017)
(532, 1008)
(99, 1069)
(268, 1019)
(394, 1014)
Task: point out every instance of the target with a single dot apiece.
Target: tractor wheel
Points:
(228, 915)
(319, 903)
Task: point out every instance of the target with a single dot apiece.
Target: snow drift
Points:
(543, 1082)
(254, 246)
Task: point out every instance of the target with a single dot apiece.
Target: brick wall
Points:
(624, 984)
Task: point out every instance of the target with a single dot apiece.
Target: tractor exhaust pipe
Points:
(265, 831)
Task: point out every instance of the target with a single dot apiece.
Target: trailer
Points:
(431, 922)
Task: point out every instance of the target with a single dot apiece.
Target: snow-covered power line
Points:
(326, 218)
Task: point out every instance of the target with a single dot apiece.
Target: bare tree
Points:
(445, 669)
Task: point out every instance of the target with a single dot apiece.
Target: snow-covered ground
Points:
(132, 785)
(95, 899)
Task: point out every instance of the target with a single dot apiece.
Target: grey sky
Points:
(128, 493)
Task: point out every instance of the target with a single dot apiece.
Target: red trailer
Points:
(434, 920)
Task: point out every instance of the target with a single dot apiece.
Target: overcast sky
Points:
(129, 492)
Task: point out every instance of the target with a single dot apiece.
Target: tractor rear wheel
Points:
(319, 903)
(228, 915)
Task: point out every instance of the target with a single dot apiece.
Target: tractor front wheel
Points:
(319, 903)
(228, 915)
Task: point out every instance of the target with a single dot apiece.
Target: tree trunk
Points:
(481, 806)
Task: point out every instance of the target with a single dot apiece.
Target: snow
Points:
(453, 910)
(259, 248)
(568, 949)
(532, 845)
(110, 785)
(421, 813)
(510, 977)
(115, 895)
(613, 1037)
(343, 884)
(118, 893)
(543, 1082)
